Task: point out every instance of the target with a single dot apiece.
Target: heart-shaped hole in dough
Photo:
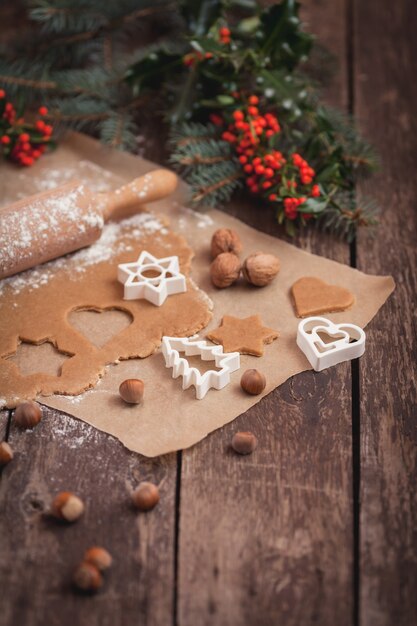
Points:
(99, 325)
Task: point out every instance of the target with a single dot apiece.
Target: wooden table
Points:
(319, 525)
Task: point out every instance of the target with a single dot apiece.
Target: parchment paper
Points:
(172, 419)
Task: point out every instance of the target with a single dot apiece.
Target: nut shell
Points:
(27, 414)
(146, 496)
(225, 270)
(131, 390)
(87, 577)
(99, 557)
(225, 240)
(244, 442)
(260, 269)
(67, 506)
(253, 382)
(6, 453)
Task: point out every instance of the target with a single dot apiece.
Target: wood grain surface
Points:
(317, 526)
(385, 103)
(269, 538)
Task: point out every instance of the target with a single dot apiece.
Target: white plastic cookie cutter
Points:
(325, 343)
(151, 278)
(217, 379)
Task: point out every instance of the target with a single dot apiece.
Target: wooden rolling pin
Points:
(53, 223)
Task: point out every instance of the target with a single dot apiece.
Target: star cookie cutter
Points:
(151, 278)
(213, 379)
(325, 343)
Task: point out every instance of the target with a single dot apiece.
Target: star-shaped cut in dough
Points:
(246, 336)
(151, 278)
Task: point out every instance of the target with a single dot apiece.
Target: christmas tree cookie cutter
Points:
(151, 278)
(325, 343)
(228, 362)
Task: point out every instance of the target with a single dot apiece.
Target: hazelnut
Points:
(131, 390)
(225, 270)
(99, 557)
(27, 414)
(260, 269)
(253, 382)
(225, 240)
(146, 496)
(67, 506)
(6, 453)
(87, 577)
(244, 442)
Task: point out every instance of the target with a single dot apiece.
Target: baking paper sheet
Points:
(172, 419)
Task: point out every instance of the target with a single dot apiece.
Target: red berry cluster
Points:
(22, 142)
(249, 128)
(224, 35)
(267, 171)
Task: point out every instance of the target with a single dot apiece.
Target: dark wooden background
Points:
(318, 526)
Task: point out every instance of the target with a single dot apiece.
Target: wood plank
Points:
(38, 555)
(385, 96)
(268, 538)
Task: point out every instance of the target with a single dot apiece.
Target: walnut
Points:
(260, 269)
(225, 240)
(225, 270)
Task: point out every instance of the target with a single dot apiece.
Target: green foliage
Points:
(86, 61)
(77, 59)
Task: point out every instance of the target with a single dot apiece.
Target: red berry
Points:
(259, 169)
(48, 129)
(5, 140)
(269, 172)
(224, 31)
(40, 125)
(253, 111)
(43, 111)
(315, 191)
(2, 94)
(217, 120)
(238, 115)
(243, 159)
(272, 197)
(24, 137)
(267, 184)
(248, 168)
(253, 100)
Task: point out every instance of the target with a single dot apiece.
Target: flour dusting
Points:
(109, 245)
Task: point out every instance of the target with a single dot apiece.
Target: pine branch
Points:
(225, 185)
(346, 213)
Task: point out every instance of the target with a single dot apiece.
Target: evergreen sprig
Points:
(85, 60)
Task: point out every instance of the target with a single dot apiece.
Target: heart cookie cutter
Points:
(151, 278)
(217, 379)
(346, 342)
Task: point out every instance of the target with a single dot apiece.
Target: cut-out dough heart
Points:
(313, 296)
(349, 342)
(99, 325)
